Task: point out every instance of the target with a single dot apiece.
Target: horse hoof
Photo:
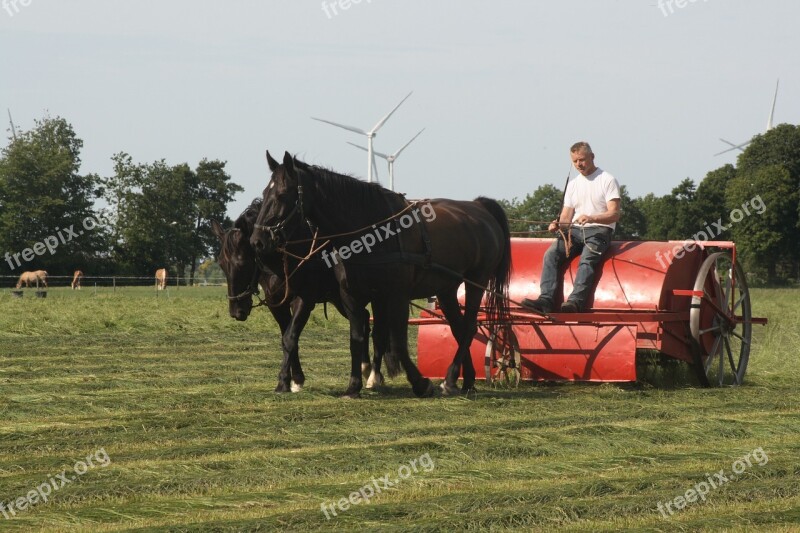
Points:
(366, 370)
(281, 388)
(375, 380)
(297, 387)
(450, 390)
(350, 396)
(423, 389)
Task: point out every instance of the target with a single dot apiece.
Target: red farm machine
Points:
(688, 300)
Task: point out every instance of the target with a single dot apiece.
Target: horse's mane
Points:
(243, 223)
(352, 195)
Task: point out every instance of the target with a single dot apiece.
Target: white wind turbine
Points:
(390, 159)
(769, 126)
(370, 135)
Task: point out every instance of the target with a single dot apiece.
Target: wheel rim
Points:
(502, 360)
(720, 322)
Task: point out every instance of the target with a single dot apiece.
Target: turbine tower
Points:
(390, 159)
(769, 126)
(370, 135)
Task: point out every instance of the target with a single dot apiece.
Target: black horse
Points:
(387, 250)
(290, 304)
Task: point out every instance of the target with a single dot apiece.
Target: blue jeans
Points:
(591, 243)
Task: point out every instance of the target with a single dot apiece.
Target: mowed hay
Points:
(180, 397)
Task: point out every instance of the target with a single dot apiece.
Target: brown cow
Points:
(76, 280)
(161, 279)
(33, 277)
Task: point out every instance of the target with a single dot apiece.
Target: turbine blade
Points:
(384, 119)
(397, 153)
(349, 128)
(358, 146)
(374, 153)
(772, 112)
(732, 147)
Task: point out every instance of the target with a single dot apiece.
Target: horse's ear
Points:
(271, 162)
(288, 165)
(217, 230)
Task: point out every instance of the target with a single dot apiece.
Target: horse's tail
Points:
(497, 300)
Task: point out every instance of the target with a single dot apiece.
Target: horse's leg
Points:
(283, 317)
(366, 367)
(301, 311)
(380, 342)
(397, 320)
(358, 325)
(448, 302)
(472, 303)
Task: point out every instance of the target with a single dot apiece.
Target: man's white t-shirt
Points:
(589, 195)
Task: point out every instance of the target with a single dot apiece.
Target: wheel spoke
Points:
(721, 366)
(738, 303)
(714, 349)
(741, 338)
(715, 328)
(734, 367)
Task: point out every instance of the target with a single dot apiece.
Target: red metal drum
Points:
(642, 300)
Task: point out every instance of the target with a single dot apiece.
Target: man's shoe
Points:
(538, 305)
(570, 307)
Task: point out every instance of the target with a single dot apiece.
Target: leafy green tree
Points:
(163, 212)
(534, 212)
(767, 236)
(632, 224)
(43, 195)
(710, 199)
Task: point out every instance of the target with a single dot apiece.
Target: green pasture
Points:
(179, 399)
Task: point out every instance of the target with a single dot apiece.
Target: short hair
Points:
(582, 145)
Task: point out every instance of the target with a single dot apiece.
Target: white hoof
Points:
(375, 380)
(296, 387)
(366, 368)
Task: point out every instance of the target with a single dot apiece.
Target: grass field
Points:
(172, 401)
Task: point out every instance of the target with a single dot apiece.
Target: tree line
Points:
(143, 217)
(151, 215)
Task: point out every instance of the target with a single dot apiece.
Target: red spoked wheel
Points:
(721, 322)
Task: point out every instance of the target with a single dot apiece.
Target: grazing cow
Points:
(161, 279)
(76, 280)
(27, 278)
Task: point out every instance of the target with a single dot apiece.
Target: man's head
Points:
(583, 158)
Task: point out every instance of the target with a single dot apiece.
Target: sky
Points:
(502, 88)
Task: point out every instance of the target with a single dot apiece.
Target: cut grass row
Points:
(180, 397)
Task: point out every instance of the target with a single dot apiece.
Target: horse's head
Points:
(238, 261)
(284, 206)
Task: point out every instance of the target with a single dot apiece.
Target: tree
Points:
(532, 214)
(632, 224)
(710, 199)
(44, 199)
(763, 204)
(163, 212)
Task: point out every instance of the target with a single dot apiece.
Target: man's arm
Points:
(610, 215)
(564, 220)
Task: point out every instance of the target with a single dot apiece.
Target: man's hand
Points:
(553, 227)
(583, 219)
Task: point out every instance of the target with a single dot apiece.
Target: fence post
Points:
(113, 281)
